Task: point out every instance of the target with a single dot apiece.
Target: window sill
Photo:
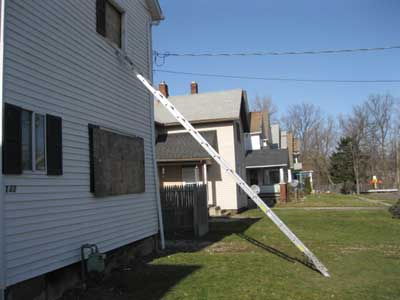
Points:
(34, 172)
(111, 44)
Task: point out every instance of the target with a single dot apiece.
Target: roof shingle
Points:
(267, 157)
(182, 146)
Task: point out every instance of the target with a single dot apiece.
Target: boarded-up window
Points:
(117, 163)
(109, 22)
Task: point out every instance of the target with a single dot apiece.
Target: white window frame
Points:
(33, 146)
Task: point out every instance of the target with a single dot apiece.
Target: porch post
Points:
(282, 185)
(281, 176)
(311, 181)
(205, 179)
(289, 175)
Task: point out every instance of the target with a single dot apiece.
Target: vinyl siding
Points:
(222, 189)
(56, 63)
(240, 151)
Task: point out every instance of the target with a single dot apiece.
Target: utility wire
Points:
(277, 78)
(275, 53)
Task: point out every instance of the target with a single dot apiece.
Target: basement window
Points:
(109, 22)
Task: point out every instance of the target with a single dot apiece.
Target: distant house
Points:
(78, 138)
(222, 118)
(271, 156)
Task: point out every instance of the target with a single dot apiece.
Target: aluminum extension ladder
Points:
(225, 166)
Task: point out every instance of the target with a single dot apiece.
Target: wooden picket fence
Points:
(185, 209)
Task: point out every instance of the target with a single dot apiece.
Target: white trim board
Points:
(266, 166)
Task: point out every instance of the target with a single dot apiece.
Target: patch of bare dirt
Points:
(226, 247)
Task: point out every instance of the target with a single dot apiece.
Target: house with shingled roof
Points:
(222, 118)
(271, 157)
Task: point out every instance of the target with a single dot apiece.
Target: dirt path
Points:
(373, 201)
(339, 208)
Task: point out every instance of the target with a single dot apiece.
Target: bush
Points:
(348, 187)
(307, 186)
(395, 210)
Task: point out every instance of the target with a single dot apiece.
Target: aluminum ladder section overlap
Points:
(225, 166)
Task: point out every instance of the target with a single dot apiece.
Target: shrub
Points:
(348, 187)
(395, 210)
(307, 186)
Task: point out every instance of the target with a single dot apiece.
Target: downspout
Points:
(2, 190)
(153, 139)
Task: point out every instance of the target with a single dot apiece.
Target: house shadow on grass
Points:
(220, 227)
(142, 281)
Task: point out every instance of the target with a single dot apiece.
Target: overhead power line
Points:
(277, 78)
(274, 53)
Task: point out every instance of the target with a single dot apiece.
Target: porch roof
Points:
(265, 158)
(182, 146)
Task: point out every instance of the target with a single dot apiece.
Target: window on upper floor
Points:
(109, 21)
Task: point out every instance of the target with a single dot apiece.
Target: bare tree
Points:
(265, 104)
(380, 112)
(323, 142)
(355, 126)
(302, 119)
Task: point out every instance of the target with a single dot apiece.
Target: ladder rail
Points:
(225, 165)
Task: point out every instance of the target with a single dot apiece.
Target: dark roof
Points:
(267, 157)
(182, 146)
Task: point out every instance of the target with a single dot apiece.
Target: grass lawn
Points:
(330, 200)
(251, 259)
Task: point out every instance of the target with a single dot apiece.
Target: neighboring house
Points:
(222, 118)
(271, 156)
(78, 148)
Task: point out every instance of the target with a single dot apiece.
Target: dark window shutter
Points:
(91, 157)
(54, 145)
(101, 17)
(12, 147)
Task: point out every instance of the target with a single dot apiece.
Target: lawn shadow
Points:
(142, 281)
(220, 227)
(277, 252)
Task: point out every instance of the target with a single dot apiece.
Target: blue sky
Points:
(237, 26)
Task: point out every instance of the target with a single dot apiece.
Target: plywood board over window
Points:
(117, 163)
(113, 24)
(109, 21)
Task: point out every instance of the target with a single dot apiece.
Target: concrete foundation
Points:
(53, 285)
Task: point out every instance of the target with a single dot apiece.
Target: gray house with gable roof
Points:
(222, 118)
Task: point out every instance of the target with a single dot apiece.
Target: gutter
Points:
(153, 143)
(2, 189)
(221, 120)
(266, 166)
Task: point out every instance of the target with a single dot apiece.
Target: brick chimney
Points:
(163, 87)
(194, 88)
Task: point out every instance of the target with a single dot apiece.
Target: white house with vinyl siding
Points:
(62, 80)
